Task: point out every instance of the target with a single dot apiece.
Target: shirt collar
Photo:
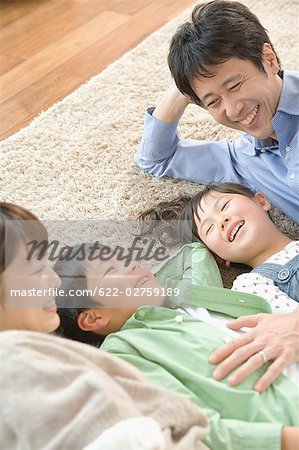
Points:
(288, 102)
(255, 146)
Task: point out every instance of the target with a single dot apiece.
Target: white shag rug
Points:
(76, 160)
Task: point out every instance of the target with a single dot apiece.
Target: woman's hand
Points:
(272, 338)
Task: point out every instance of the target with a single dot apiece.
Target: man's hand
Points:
(172, 105)
(272, 338)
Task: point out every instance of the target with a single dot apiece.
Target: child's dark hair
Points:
(70, 305)
(173, 221)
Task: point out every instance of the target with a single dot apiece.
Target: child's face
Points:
(234, 226)
(121, 290)
(34, 308)
(115, 285)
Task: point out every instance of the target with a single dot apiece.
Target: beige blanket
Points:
(58, 394)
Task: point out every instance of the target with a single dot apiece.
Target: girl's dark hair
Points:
(219, 30)
(173, 221)
(75, 299)
(18, 225)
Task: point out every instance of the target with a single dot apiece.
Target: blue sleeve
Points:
(162, 153)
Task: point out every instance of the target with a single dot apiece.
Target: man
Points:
(223, 60)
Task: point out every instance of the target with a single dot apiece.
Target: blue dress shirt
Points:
(261, 164)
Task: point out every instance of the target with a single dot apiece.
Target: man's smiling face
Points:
(241, 96)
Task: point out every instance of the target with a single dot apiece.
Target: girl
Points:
(27, 284)
(233, 222)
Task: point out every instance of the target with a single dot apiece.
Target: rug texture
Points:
(76, 160)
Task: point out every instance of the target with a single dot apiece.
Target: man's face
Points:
(241, 96)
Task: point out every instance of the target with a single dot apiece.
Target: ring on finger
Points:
(263, 355)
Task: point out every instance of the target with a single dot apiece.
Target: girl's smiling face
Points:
(28, 294)
(233, 226)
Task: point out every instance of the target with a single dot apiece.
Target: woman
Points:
(27, 283)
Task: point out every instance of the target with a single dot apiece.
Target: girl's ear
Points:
(222, 262)
(263, 201)
(92, 320)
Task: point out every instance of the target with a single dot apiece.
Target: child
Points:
(171, 347)
(233, 222)
(22, 279)
(87, 285)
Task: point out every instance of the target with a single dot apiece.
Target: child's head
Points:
(21, 277)
(230, 219)
(99, 296)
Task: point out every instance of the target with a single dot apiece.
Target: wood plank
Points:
(10, 11)
(110, 47)
(39, 65)
(60, 50)
(15, 34)
(7, 62)
(19, 110)
(32, 36)
(129, 7)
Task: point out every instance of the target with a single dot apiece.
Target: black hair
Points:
(218, 31)
(17, 225)
(75, 300)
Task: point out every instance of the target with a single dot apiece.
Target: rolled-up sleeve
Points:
(163, 153)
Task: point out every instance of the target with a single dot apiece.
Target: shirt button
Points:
(179, 319)
(263, 151)
(292, 176)
(288, 149)
(283, 274)
(141, 313)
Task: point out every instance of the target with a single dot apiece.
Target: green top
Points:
(194, 272)
(191, 262)
(172, 348)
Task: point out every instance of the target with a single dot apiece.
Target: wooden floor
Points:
(49, 47)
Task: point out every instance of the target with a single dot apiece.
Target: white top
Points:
(253, 283)
(137, 433)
